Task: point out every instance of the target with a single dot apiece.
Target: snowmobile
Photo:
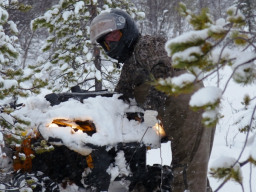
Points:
(96, 155)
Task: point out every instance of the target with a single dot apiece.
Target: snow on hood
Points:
(107, 113)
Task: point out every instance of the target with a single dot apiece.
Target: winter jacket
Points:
(190, 142)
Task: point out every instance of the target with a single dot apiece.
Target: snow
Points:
(85, 49)
(189, 55)
(211, 114)
(79, 33)
(219, 27)
(3, 15)
(78, 6)
(141, 14)
(66, 15)
(22, 156)
(89, 56)
(120, 167)
(113, 172)
(65, 66)
(108, 115)
(221, 22)
(112, 127)
(244, 67)
(205, 96)
(48, 16)
(191, 36)
(79, 60)
(121, 163)
(228, 141)
(183, 80)
(225, 162)
(236, 13)
(178, 82)
(7, 84)
(13, 26)
(232, 9)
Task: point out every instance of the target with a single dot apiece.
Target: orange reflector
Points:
(89, 161)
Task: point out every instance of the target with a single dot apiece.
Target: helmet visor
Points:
(111, 40)
(105, 23)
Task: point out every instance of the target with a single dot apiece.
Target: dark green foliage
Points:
(206, 50)
(227, 174)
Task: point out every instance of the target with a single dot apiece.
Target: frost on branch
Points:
(188, 48)
(15, 80)
(8, 53)
(226, 168)
(176, 85)
(207, 98)
(204, 52)
(244, 68)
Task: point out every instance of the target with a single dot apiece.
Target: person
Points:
(144, 58)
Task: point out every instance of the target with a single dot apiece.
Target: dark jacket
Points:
(149, 61)
(191, 142)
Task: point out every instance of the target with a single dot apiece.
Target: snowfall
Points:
(108, 115)
(228, 142)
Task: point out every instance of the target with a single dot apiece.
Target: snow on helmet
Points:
(108, 22)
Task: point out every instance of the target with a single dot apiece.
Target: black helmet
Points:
(107, 22)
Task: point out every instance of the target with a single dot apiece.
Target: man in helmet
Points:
(144, 58)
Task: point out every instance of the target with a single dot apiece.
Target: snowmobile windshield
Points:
(105, 23)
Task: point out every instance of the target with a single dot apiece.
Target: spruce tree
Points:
(69, 60)
(204, 52)
(15, 82)
(72, 59)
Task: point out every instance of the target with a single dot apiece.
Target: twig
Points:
(242, 151)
